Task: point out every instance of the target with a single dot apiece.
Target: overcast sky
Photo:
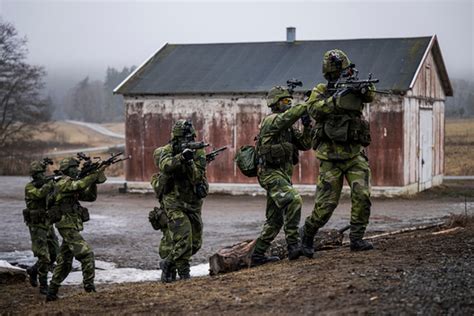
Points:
(84, 37)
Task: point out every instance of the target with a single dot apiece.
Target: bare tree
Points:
(22, 105)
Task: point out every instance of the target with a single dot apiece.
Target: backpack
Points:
(246, 159)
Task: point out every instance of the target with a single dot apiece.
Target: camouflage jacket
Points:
(183, 178)
(279, 142)
(68, 193)
(321, 105)
(35, 199)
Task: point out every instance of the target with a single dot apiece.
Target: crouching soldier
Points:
(44, 242)
(186, 185)
(69, 216)
(277, 151)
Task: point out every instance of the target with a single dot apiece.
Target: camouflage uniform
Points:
(44, 241)
(340, 134)
(277, 150)
(183, 236)
(67, 194)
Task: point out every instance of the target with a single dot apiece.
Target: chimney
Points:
(290, 34)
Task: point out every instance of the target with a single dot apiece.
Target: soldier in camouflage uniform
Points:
(278, 147)
(340, 136)
(185, 172)
(67, 194)
(44, 242)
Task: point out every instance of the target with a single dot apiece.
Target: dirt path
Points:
(413, 273)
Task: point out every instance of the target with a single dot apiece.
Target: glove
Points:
(306, 120)
(187, 154)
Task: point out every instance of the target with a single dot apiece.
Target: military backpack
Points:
(246, 159)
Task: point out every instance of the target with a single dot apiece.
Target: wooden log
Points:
(237, 256)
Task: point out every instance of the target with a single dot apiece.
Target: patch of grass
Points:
(459, 147)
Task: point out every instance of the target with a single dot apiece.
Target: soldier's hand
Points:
(187, 154)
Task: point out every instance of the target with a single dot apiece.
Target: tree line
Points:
(94, 101)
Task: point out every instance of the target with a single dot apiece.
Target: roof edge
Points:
(302, 41)
(442, 72)
(139, 68)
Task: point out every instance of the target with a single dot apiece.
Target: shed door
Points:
(426, 148)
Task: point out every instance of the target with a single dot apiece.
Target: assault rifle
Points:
(90, 166)
(38, 183)
(349, 81)
(213, 154)
(193, 145)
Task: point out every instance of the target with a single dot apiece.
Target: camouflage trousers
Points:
(283, 210)
(331, 176)
(73, 246)
(45, 245)
(182, 238)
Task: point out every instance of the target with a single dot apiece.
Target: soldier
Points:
(340, 136)
(277, 150)
(184, 189)
(69, 216)
(44, 242)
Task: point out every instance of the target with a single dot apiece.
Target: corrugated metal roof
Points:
(256, 67)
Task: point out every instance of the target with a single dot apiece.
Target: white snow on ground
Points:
(5, 264)
(122, 275)
(105, 272)
(98, 128)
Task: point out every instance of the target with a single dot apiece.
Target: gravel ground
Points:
(416, 273)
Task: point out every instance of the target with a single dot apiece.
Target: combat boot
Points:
(361, 245)
(307, 245)
(33, 275)
(43, 289)
(259, 259)
(294, 251)
(90, 288)
(167, 269)
(184, 273)
(52, 294)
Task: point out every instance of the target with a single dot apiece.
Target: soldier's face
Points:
(284, 104)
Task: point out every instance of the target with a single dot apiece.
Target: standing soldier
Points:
(277, 151)
(340, 136)
(44, 242)
(185, 185)
(69, 216)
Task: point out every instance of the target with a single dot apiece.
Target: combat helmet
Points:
(276, 94)
(37, 167)
(182, 129)
(67, 163)
(335, 60)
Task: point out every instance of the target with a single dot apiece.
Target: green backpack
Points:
(246, 159)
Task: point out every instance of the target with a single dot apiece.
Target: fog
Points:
(73, 39)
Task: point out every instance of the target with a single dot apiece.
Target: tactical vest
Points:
(279, 152)
(345, 125)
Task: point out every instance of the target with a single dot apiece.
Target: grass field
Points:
(459, 147)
